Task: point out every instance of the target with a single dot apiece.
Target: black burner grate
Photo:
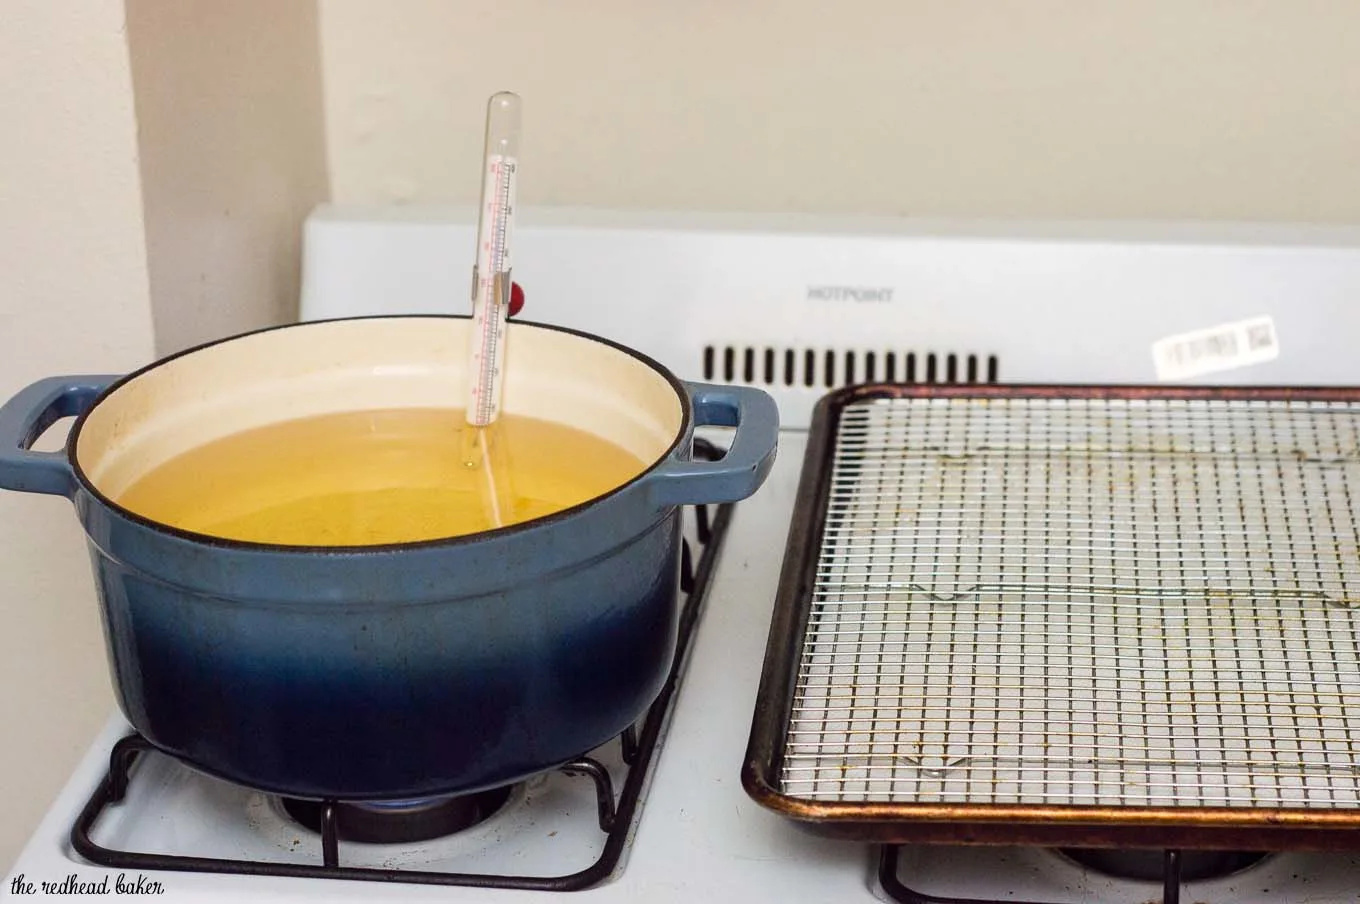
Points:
(616, 812)
(892, 885)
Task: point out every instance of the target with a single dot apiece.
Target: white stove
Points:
(794, 306)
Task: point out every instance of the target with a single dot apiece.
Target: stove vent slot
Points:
(829, 368)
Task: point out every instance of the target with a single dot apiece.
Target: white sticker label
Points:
(1216, 348)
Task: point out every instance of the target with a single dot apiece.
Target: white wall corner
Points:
(231, 134)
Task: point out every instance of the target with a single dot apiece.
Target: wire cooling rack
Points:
(1112, 601)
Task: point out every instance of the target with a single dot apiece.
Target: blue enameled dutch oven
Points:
(387, 672)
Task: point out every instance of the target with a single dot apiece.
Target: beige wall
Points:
(1065, 108)
(154, 169)
(73, 299)
(229, 114)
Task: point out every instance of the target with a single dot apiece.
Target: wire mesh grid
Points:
(1119, 602)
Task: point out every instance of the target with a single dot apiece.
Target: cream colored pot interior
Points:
(321, 368)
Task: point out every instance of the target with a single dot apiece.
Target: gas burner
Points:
(402, 821)
(1151, 865)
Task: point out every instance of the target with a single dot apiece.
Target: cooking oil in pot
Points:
(361, 478)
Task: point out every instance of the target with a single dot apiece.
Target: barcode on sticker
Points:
(1217, 348)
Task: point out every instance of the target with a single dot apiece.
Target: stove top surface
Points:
(698, 836)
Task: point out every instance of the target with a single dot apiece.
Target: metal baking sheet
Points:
(1092, 616)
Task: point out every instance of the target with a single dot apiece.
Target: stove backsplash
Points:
(798, 305)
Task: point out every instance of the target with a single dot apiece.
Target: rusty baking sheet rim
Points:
(1072, 825)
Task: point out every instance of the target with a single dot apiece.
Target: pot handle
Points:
(24, 418)
(682, 481)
